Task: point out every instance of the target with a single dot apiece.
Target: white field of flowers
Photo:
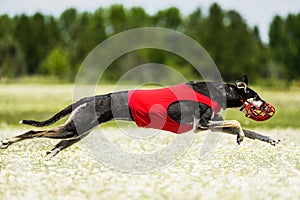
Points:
(253, 170)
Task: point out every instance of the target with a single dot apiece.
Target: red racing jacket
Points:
(149, 108)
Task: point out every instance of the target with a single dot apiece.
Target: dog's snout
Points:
(263, 105)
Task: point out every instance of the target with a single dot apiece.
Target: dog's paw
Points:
(273, 142)
(50, 154)
(4, 144)
(240, 139)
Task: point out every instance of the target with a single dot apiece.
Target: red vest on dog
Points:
(149, 108)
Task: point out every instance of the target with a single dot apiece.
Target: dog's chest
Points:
(149, 108)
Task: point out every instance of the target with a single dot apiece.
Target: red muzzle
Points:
(261, 113)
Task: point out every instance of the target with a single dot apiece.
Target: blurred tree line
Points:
(56, 46)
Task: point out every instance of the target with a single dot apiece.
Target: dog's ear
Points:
(241, 85)
(245, 79)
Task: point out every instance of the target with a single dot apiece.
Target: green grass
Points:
(40, 101)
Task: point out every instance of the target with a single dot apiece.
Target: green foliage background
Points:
(56, 46)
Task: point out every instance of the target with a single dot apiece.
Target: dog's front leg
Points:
(253, 135)
(228, 124)
(196, 125)
(201, 121)
(250, 134)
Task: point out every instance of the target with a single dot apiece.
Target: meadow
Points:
(253, 170)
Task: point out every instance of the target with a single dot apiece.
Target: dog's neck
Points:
(232, 97)
(214, 90)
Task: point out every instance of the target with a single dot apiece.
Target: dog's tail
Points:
(58, 115)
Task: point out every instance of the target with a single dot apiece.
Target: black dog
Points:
(181, 108)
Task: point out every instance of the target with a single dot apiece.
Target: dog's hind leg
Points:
(81, 121)
(63, 145)
(28, 135)
(56, 133)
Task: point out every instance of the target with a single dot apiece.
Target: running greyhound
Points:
(178, 109)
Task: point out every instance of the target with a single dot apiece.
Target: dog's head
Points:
(253, 106)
